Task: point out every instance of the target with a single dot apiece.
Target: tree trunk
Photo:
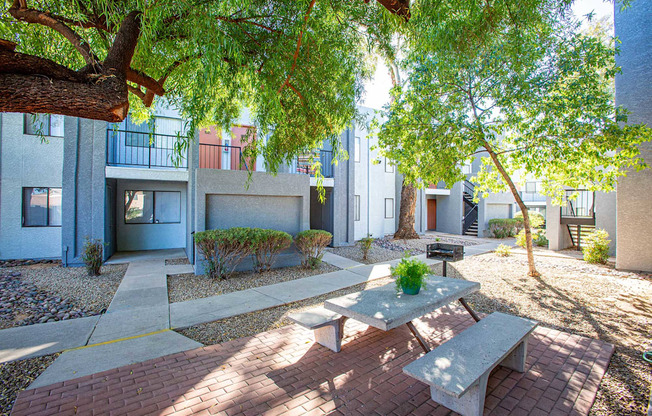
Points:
(406, 214)
(532, 271)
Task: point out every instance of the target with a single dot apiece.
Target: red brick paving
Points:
(282, 372)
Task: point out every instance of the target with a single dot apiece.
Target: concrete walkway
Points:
(137, 325)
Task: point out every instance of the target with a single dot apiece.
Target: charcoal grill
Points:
(445, 253)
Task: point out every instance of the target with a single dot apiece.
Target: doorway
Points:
(432, 214)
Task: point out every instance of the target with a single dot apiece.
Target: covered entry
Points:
(321, 214)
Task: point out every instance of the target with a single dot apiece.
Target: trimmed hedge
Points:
(311, 244)
(224, 249)
(266, 245)
(505, 227)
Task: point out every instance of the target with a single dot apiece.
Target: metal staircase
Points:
(578, 233)
(470, 219)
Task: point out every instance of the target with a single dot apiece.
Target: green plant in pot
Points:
(410, 275)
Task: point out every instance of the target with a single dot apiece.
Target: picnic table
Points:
(383, 308)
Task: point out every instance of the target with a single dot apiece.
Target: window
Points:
(530, 187)
(41, 207)
(356, 207)
(45, 124)
(356, 150)
(389, 207)
(140, 135)
(466, 169)
(152, 207)
(389, 167)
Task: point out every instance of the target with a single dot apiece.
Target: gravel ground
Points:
(48, 292)
(260, 321)
(182, 287)
(418, 246)
(376, 254)
(175, 262)
(579, 298)
(16, 376)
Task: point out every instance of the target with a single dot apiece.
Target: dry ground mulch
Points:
(573, 296)
(16, 376)
(188, 286)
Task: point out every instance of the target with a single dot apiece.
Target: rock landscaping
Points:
(578, 298)
(176, 262)
(183, 287)
(16, 376)
(418, 246)
(260, 321)
(48, 292)
(376, 254)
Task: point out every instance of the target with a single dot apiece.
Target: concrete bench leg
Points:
(330, 336)
(470, 403)
(516, 359)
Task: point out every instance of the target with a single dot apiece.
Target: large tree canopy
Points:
(297, 65)
(535, 96)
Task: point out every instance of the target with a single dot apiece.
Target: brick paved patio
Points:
(284, 372)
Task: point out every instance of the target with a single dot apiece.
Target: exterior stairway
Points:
(470, 219)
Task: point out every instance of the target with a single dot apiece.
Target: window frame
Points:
(389, 167)
(534, 184)
(124, 214)
(357, 149)
(356, 208)
(391, 205)
(47, 133)
(47, 208)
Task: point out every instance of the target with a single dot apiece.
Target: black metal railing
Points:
(583, 205)
(218, 156)
(469, 218)
(150, 150)
(303, 164)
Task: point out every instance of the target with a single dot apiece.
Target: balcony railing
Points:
(217, 156)
(139, 149)
(532, 197)
(303, 164)
(578, 210)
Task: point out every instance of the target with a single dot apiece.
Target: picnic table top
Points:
(383, 308)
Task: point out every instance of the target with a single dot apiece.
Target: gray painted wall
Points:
(131, 237)
(605, 216)
(450, 211)
(84, 184)
(634, 92)
(26, 162)
(343, 194)
(223, 200)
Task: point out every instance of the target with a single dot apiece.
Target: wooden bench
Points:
(327, 325)
(458, 370)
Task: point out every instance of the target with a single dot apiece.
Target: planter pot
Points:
(411, 290)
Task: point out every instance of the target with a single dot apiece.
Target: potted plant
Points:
(410, 275)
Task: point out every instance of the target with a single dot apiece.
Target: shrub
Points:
(365, 245)
(536, 219)
(505, 227)
(224, 249)
(503, 250)
(266, 244)
(410, 273)
(311, 244)
(92, 256)
(596, 247)
(538, 238)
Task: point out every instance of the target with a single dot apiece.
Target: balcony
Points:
(532, 197)
(218, 156)
(303, 164)
(126, 148)
(579, 210)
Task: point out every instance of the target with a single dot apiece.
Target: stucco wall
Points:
(84, 186)
(26, 162)
(223, 200)
(132, 237)
(449, 211)
(605, 216)
(634, 92)
(343, 191)
(374, 185)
